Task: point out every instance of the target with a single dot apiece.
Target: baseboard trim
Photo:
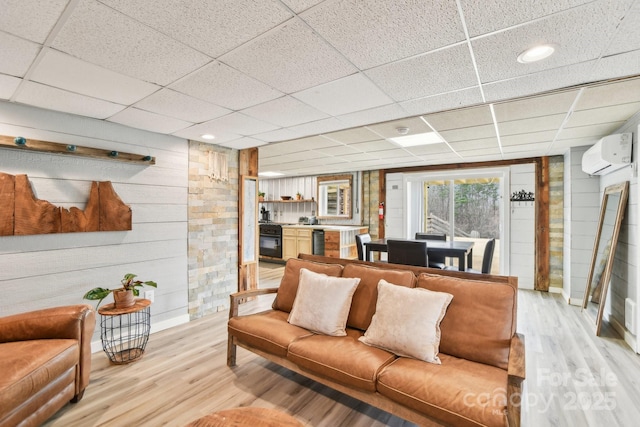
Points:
(624, 333)
(96, 346)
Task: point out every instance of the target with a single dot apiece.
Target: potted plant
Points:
(298, 196)
(122, 296)
(261, 196)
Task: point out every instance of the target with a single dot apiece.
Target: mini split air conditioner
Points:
(610, 153)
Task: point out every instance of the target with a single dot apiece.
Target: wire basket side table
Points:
(125, 331)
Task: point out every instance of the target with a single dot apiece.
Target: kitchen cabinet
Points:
(296, 240)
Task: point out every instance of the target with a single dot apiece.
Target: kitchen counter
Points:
(339, 240)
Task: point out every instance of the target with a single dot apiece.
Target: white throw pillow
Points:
(407, 321)
(322, 303)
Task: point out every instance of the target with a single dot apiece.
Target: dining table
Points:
(461, 250)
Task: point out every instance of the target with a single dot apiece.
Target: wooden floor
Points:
(573, 377)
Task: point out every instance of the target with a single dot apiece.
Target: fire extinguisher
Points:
(381, 210)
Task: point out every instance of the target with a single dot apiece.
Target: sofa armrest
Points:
(516, 374)
(239, 297)
(67, 322)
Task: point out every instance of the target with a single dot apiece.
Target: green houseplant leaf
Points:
(127, 282)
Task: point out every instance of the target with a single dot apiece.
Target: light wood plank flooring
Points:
(573, 377)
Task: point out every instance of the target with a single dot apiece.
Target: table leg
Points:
(461, 262)
(368, 254)
(470, 258)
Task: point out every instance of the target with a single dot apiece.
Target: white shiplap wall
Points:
(48, 270)
(581, 211)
(625, 274)
(522, 221)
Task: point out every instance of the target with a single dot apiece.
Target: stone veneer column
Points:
(213, 232)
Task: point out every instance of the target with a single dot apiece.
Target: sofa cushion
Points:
(268, 331)
(289, 283)
(364, 300)
(480, 320)
(29, 366)
(322, 303)
(407, 321)
(458, 392)
(342, 359)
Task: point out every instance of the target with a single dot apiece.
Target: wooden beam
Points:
(34, 145)
(542, 225)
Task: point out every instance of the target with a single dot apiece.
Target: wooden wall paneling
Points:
(542, 224)
(7, 204)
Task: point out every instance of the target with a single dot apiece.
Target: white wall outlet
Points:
(630, 315)
(150, 295)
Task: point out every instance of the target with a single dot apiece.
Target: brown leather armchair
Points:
(45, 358)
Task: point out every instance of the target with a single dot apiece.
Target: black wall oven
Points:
(271, 240)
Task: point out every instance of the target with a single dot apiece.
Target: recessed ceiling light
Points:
(207, 136)
(536, 53)
(268, 173)
(417, 139)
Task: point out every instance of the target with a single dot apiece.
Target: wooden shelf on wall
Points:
(20, 143)
(289, 201)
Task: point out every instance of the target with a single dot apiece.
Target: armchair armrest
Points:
(516, 374)
(67, 322)
(238, 297)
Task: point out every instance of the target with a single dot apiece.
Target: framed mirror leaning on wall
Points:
(335, 194)
(614, 202)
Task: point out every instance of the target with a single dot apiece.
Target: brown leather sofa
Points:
(479, 380)
(45, 358)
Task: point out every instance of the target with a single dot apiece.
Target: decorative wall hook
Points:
(522, 196)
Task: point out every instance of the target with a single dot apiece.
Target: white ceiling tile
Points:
(195, 133)
(349, 136)
(21, 52)
(175, 104)
(627, 37)
(468, 117)
(30, 19)
(621, 92)
(580, 34)
(482, 19)
(214, 27)
(534, 148)
(623, 64)
(593, 131)
(319, 126)
(290, 58)
(466, 134)
(538, 82)
(338, 150)
(475, 144)
(431, 149)
(434, 73)
(240, 124)
(276, 135)
(346, 95)
(608, 114)
(222, 85)
(8, 85)
(242, 143)
(390, 129)
(402, 28)
(66, 72)
(149, 121)
(373, 115)
(57, 99)
(536, 106)
(100, 35)
(300, 5)
(534, 124)
(445, 101)
(528, 138)
(285, 111)
(373, 146)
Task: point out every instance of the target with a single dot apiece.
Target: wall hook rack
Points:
(21, 143)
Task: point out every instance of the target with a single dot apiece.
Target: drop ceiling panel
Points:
(66, 72)
(222, 85)
(428, 150)
(317, 127)
(290, 58)
(580, 33)
(534, 124)
(533, 148)
(98, 34)
(628, 36)
(611, 67)
(536, 106)
(408, 31)
(276, 135)
(240, 124)
(442, 102)
(52, 98)
(214, 27)
(8, 86)
(528, 138)
(374, 146)
(467, 134)
(346, 95)
(242, 143)
(474, 144)
(30, 19)
(475, 116)
(338, 150)
(622, 92)
(148, 121)
(594, 131)
(285, 111)
(195, 132)
(301, 5)
(431, 74)
(175, 104)
(21, 52)
(603, 115)
(373, 115)
(350, 136)
(389, 129)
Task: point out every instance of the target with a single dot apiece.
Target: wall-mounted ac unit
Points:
(610, 153)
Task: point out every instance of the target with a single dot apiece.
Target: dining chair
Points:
(487, 259)
(435, 261)
(361, 239)
(407, 252)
